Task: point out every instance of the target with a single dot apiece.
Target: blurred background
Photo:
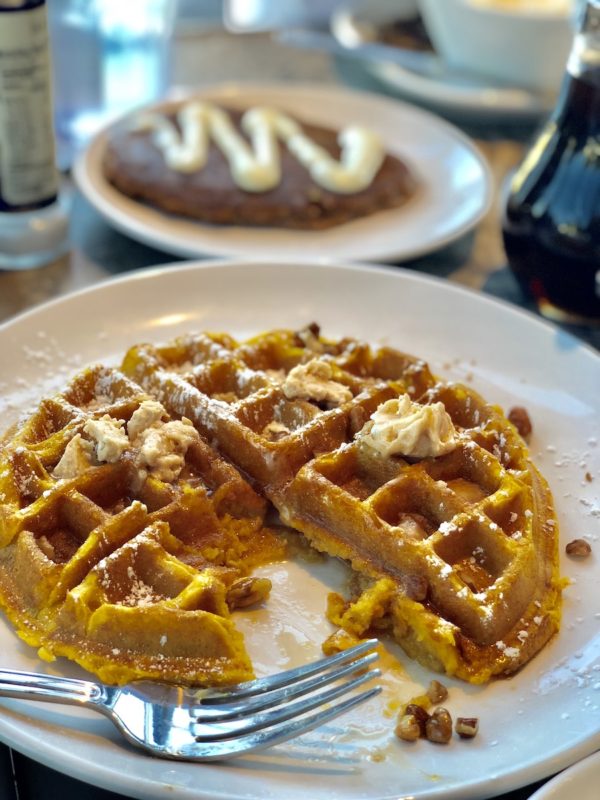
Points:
(491, 67)
(461, 69)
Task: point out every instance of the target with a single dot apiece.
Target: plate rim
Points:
(79, 766)
(92, 185)
(547, 791)
(191, 265)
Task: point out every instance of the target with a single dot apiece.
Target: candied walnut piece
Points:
(437, 692)
(578, 548)
(467, 727)
(248, 591)
(309, 337)
(439, 726)
(520, 419)
(408, 728)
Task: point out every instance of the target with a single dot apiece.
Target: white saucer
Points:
(477, 99)
(581, 781)
(455, 189)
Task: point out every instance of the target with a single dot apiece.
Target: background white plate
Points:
(582, 781)
(541, 720)
(455, 191)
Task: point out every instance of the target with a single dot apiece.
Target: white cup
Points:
(522, 43)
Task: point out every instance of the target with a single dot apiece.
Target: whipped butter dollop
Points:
(314, 381)
(255, 165)
(404, 428)
(78, 456)
(109, 437)
(161, 446)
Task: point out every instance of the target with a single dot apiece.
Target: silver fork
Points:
(212, 725)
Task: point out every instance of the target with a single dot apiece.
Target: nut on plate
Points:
(248, 591)
(439, 726)
(466, 727)
(408, 728)
(578, 548)
(520, 419)
(421, 716)
(437, 692)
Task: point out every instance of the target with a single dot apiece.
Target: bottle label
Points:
(27, 164)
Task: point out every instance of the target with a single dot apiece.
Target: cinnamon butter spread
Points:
(162, 445)
(256, 165)
(313, 381)
(404, 428)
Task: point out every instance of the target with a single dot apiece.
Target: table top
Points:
(98, 253)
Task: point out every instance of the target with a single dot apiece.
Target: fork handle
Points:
(34, 686)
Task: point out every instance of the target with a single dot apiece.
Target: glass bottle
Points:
(33, 218)
(551, 225)
(109, 57)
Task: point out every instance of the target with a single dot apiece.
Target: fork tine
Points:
(237, 727)
(226, 748)
(269, 699)
(210, 696)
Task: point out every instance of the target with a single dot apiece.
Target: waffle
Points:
(455, 553)
(125, 540)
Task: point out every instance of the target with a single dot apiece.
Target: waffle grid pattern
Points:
(124, 572)
(465, 543)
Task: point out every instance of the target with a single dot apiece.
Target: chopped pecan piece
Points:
(466, 727)
(520, 419)
(247, 592)
(408, 728)
(437, 692)
(309, 337)
(419, 713)
(439, 726)
(578, 548)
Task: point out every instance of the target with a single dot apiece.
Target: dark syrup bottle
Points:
(551, 224)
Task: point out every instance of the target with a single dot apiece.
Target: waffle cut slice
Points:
(125, 540)
(455, 546)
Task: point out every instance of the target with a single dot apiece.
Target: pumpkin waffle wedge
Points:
(454, 545)
(457, 553)
(125, 540)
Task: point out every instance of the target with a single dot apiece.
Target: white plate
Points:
(541, 720)
(477, 98)
(455, 194)
(581, 781)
